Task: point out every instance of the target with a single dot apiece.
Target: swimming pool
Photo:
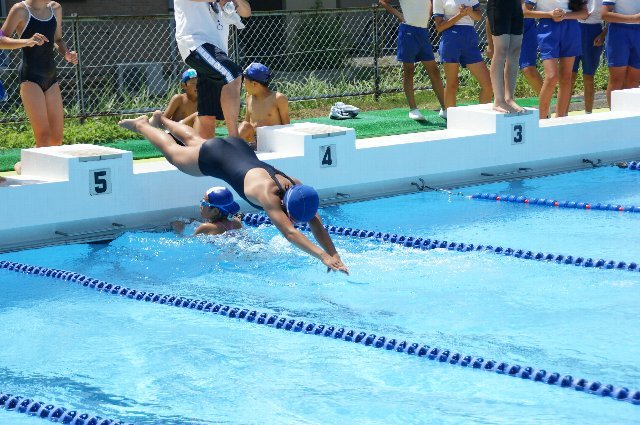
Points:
(149, 363)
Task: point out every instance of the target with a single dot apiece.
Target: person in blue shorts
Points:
(623, 43)
(459, 46)
(593, 37)
(559, 44)
(414, 46)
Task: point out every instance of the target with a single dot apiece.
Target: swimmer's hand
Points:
(334, 263)
(557, 14)
(37, 40)
(71, 57)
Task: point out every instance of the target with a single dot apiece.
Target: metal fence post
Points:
(376, 53)
(79, 78)
(235, 45)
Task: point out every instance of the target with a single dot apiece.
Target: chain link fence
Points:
(131, 64)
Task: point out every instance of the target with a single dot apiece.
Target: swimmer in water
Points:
(285, 200)
(38, 24)
(218, 208)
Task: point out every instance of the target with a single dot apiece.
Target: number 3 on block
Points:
(517, 134)
(100, 182)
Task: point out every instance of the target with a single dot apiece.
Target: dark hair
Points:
(576, 5)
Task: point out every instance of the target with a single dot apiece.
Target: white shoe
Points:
(348, 109)
(415, 114)
(338, 114)
(442, 114)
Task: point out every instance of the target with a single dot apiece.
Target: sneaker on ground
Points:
(442, 114)
(415, 114)
(349, 109)
(338, 114)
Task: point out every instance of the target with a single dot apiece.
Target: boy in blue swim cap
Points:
(284, 199)
(218, 208)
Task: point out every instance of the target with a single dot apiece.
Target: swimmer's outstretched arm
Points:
(282, 222)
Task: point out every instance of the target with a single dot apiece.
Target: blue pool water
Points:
(149, 364)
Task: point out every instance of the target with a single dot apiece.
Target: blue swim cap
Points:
(258, 72)
(222, 198)
(301, 202)
(189, 74)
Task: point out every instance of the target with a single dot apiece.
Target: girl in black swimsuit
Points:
(39, 26)
(284, 199)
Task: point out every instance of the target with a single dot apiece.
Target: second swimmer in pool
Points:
(218, 208)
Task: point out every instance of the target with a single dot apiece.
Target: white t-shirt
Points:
(416, 12)
(450, 8)
(549, 5)
(624, 7)
(594, 13)
(197, 24)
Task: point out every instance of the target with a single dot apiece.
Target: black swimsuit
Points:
(38, 64)
(230, 159)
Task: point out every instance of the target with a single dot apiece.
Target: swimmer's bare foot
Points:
(133, 124)
(501, 107)
(156, 119)
(514, 106)
(18, 167)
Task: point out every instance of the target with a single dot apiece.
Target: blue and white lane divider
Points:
(348, 335)
(428, 244)
(634, 165)
(49, 411)
(550, 202)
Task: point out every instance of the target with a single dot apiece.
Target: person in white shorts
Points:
(202, 34)
(414, 46)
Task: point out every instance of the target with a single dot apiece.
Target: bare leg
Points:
(617, 77)
(248, 133)
(451, 88)
(511, 72)
(633, 78)
(55, 113)
(408, 72)
(206, 127)
(500, 51)
(436, 80)
(564, 86)
(548, 86)
(481, 73)
(184, 158)
(181, 131)
(230, 102)
(589, 92)
(35, 102)
(534, 78)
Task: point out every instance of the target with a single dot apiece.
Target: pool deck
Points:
(95, 193)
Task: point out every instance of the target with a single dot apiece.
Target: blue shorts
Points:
(559, 39)
(529, 50)
(623, 45)
(591, 54)
(459, 44)
(414, 44)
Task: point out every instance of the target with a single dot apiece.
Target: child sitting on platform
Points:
(265, 107)
(183, 107)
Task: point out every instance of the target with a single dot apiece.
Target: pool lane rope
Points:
(256, 220)
(634, 166)
(59, 414)
(348, 335)
(550, 202)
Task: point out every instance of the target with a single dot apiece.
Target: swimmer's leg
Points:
(184, 158)
(186, 134)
